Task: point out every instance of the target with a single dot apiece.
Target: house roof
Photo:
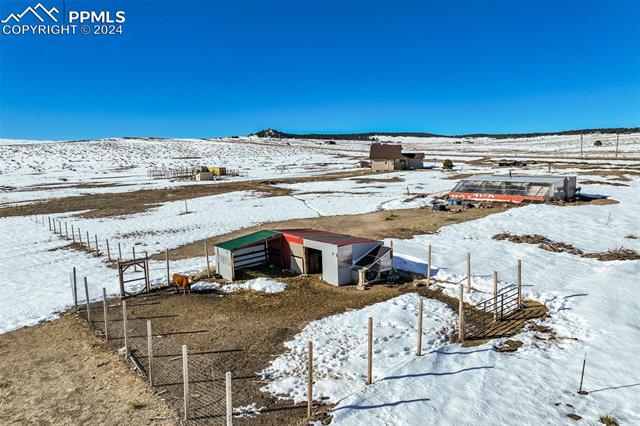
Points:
(325, 237)
(248, 240)
(381, 151)
(385, 151)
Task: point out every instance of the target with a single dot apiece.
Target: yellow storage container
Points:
(218, 171)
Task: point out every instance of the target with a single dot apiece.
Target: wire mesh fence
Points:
(192, 385)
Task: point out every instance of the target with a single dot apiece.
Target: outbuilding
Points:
(516, 188)
(389, 157)
(337, 257)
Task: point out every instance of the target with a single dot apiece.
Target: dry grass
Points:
(608, 420)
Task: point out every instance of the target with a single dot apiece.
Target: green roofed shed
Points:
(247, 240)
(251, 250)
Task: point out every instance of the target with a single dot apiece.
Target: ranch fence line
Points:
(187, 172)
(191, 382)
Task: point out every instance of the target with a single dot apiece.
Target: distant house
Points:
(388, 157)
(516, 189)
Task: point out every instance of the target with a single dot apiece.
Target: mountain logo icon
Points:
(50, 13)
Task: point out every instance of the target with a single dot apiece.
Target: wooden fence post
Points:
(229, 401)
(150, 351)
(185, 380)
(133, 251)
(166, 257)
(86, 294)
(66, 231)
(73, 234)
(75, 289)
(469, 272)
(310, 380)
(461, 315)
(88, 242)
(206, 255)
(519, 283)
(186, 209)
(429, 266)
(105, 308)
(119, 252)
(147, 282)
(79, 236)
(108, 251)
(370, 352)
(97, 246)
(495, 295)
(419, 346)
(124, 329)
(49, 217)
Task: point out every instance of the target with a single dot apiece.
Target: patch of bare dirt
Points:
(559, 247)
(243, 331)
(58, 373)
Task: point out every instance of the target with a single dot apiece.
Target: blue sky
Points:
(204, 69)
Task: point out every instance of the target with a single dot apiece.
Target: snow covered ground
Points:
(593, 308)
(593, 305)
(36, 170)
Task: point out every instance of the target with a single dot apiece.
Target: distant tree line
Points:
(371, 135)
